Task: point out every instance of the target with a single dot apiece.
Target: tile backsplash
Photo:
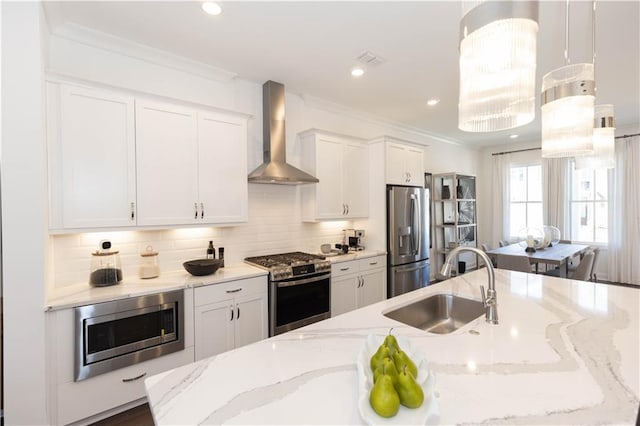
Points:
(274, 226)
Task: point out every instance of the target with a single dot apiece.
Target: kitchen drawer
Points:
(217, 292)
(371, 263)
(344, 268)
(79, 400)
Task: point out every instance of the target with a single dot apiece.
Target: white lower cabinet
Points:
(229, 315)
(101, 396)
(357, 283)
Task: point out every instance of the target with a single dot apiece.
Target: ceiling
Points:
(311, 47)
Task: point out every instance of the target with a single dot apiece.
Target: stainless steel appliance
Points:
(275, 168)
(355, 238)
(407, 239)
(116, 334)
(299, 289)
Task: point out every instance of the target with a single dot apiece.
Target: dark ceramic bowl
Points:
(200, 267)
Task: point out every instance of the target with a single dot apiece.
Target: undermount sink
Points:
(439, 313)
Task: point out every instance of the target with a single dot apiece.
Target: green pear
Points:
(383, 397)
(383, 352)
(409, 391)
(388, 367)
(401, 359)
(390, 340)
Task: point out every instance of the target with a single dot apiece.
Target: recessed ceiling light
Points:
(432, 102)
(211, 8)
(357, 72)
(514, 136)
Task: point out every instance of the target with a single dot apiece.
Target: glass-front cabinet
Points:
(454, 216)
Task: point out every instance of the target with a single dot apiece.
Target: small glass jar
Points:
(149, 267)
(106, 268)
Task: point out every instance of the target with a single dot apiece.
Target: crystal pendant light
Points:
(568, 98)
(603, 156)
(497, 65)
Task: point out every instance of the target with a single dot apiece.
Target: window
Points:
(589, 205)
(525, 199)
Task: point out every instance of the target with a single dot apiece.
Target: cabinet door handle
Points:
(133, 211)
(201, 210)
(195, 209)
(133, 379)
(344, 209)
(235, 291)
(238, 309)
(231, 309)
(347, 209)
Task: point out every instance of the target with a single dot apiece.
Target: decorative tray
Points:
(427, 413)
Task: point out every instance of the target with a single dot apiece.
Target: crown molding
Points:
(110, 43)
(319, 103)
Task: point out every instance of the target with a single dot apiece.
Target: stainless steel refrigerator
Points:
(407, 239)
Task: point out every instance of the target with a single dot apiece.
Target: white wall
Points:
(282, 230)
(24, 214)
(275, 226)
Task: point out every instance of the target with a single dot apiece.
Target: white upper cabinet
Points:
(116, 161)
(167, 164)
(222, 167)
(341, 163)
(91, 157)
(404, 164)
(192, 166)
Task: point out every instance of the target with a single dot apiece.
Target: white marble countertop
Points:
(83, 294)
(353, 255)
(564, 352)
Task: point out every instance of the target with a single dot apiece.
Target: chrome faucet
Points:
(489, 301)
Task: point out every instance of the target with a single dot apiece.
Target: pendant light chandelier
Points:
(604, 130)
(603, 156)
(497, 65)
(568, 98)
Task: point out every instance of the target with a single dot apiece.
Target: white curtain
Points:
(500, 198)
(555, 194)
(624, 213)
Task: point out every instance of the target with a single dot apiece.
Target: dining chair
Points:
(514, 263)
(592, 275)
(583, 271)
(486, 248)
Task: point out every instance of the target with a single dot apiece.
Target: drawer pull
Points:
(133, 379)
(344, 269)
(234, 291)
(373, 263)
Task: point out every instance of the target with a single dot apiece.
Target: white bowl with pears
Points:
(426, 412)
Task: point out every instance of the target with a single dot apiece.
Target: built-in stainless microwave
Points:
(124, 332)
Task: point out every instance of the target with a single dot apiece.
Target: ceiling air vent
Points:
(369, 58)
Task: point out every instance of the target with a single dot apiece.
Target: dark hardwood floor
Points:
(137, 416)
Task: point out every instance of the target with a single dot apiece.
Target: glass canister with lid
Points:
(106, 268)
(149, 267)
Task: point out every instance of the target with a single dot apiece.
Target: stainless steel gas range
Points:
(299, 289)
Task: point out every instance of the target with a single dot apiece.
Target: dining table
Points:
(558, 254)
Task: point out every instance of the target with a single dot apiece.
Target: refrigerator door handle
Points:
(415, 268)
(416, 228)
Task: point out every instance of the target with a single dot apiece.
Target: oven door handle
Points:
(303, 281)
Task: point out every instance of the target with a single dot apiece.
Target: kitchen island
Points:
(564, 352)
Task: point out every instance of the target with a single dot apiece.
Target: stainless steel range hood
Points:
(275, 168)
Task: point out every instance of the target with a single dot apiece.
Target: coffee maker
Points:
(355, 239)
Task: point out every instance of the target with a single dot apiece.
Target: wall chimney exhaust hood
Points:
(275, 169)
